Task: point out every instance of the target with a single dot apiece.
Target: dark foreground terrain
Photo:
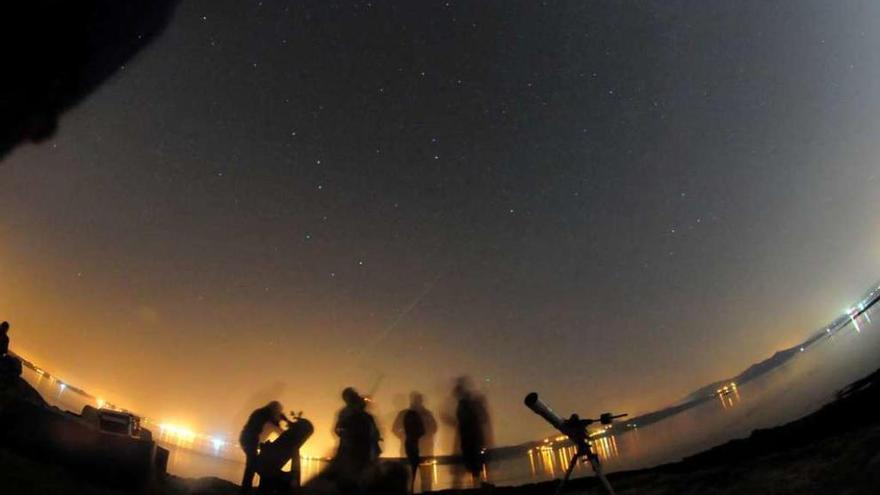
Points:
(835, 450)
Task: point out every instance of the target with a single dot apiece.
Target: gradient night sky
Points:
(608, 203)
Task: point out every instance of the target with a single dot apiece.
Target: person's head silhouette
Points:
(352, 398)
(276, 408)
(462, 388)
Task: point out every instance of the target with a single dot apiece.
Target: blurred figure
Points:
(259, 425)
(358, 436)
(355, 469)
(416, 427)
(4, 338)
(473, 428)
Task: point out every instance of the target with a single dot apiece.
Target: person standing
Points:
(416, 426)
(4, 338)
(10, 367)
(472, 421)
(262, 421)
(358, 436)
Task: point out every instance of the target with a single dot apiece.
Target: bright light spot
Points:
(101, 403)
(217, 443)
(179, 432)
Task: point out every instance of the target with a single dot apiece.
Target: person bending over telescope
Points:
(275, 454)
(259, 425)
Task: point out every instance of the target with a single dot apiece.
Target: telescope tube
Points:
(538, 407)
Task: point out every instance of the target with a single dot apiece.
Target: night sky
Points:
(611, 203)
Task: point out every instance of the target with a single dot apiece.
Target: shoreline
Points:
(835, 449)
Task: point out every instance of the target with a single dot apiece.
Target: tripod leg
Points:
(568, 472)
(597, 468)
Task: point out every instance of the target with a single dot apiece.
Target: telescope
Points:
(575, 429)
(538, 407)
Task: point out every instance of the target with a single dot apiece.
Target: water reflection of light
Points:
(606, 447)
(552, 453)
(728, 395)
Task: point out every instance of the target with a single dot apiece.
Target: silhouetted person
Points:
(358, 437)
(416, 426)
(472, 421)
(4, 338)
(10, 367)
(267, 417)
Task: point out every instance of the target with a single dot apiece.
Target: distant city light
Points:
(217, 443)
(179, 432)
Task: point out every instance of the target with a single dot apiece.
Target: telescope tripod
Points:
(585, 453)
(575, 429)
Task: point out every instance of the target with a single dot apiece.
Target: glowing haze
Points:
(610, 204)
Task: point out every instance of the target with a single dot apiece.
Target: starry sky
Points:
(611, 203)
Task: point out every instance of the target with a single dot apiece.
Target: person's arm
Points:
(275, 426)
(488, 432)
(397, 426)
(430, 423)
(285, 419)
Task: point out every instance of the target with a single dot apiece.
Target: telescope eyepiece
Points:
(531, 399)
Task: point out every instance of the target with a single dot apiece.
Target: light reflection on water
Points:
(792, 390)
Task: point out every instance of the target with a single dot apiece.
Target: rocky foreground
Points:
(835, 450)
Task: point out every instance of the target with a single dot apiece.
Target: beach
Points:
(833, 450)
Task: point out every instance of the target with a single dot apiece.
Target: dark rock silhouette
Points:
(116, 453)
(57, 52)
